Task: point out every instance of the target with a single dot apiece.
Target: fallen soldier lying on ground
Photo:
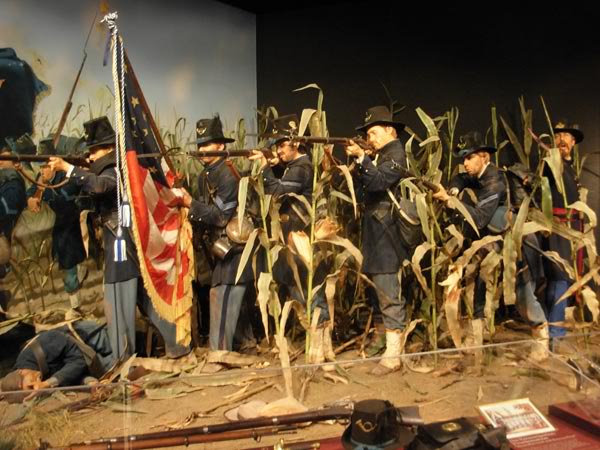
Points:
(73, 354)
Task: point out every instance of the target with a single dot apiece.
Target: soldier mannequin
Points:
(12, 202)
(382, 250)
(565, 139)
(489, 187)
(297, 179)
(56, 358)
(122, 282)
(220, 188)
(67, 242)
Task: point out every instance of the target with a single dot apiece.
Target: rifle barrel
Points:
(169, 440)
(249, 424)
(328, 140)
(231, 153)
(76, 160)
(71, 159)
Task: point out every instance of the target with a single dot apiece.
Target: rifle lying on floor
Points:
(254, 428)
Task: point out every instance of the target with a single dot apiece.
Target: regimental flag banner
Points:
(161, 231)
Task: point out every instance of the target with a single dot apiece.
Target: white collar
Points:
(483, 170)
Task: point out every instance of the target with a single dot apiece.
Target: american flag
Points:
(161, 231)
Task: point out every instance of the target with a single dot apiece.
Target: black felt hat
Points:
(375, 424)
(211, 130)
(563, 127)
(281, 128)
(21, 146)
(66, 145)
(380, 115)
(470, 143)
(99, 132)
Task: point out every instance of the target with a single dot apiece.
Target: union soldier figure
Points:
(67, 242)
(382, 250)
(65, 356)
(558, 281)
(123, 287)
(219, 185)
(296, 179)
(12, 203)
(489, 187)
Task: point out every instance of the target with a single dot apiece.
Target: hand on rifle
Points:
(353, 149)
(264, 162)
(442, 194)
(37, 385)
(59, 164)
(33, 204)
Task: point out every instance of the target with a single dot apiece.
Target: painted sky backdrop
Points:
(192, 59)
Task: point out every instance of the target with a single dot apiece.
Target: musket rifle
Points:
(69, 104)
(232, 153)
(76, 160)
(327, 140)
(539, 141)
(421, 180)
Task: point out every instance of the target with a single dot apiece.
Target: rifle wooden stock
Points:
(232, 153)
(428, 184)
(327, 140)
(168, 440)
(537, 139)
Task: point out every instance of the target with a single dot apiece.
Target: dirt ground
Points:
(447, 386)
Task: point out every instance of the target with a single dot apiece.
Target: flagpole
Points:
(149, 117)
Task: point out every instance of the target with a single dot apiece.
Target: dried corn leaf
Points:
(591, 301)
(509, 257)
(263, 297)
(284, 355)
(533, 227)
(455, 203)
(428, 122)
(248, 248)
(589, 212)
(460, 239)
(350, 182)
(307, 114)
(330, 285)
(423, 212)
(170, 392)
(548, 217)
(123, 407)
(299, 243)
(555, 163)
(237, 394)
(517, 228)
(326, 229)
(418, 255)
(429, 140)
(514, 141)
(452, 310)
(242, 198)
(579, 284)
(348, 245)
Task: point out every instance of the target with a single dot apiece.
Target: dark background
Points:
(434, 57)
